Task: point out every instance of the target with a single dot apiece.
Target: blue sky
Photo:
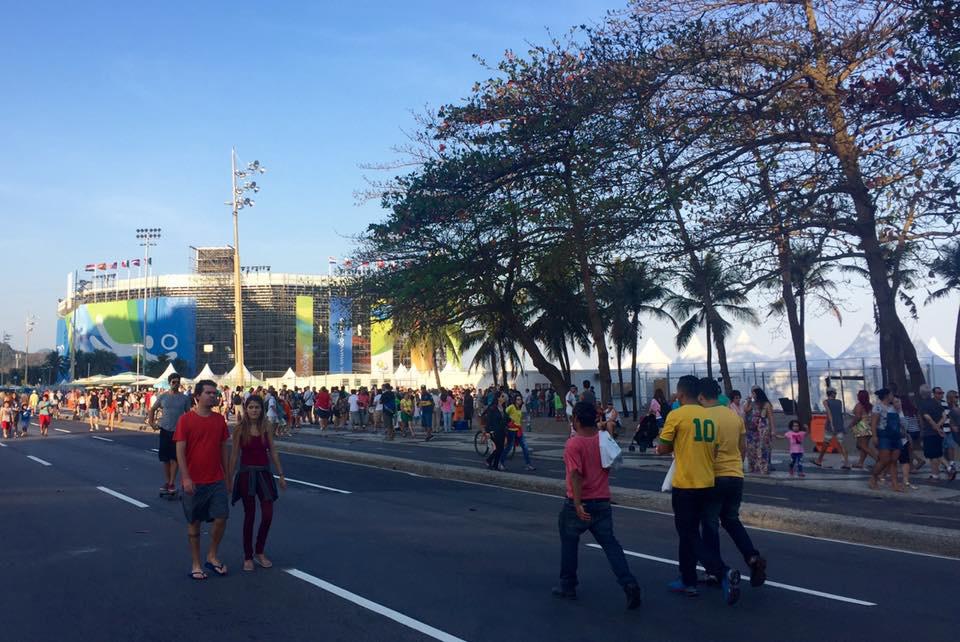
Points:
(121, 115)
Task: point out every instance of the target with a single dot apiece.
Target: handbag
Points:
(610, 454)
(667, 484)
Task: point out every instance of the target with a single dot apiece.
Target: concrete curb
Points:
(888, 535)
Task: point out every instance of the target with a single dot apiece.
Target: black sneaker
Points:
(634, 596)
(758, 570)
(564, 594)
(731, 587)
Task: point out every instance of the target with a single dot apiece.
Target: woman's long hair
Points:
(262, 425)
(863, 398)
(761, 397)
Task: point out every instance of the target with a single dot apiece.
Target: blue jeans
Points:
(512, 440)
(689, 509)
(601, 525)
(447, 421)
(724, 508)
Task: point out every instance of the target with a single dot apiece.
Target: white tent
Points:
(576, 365)
(401, 371)
(206, 373)
(651, 354)
(866, 345)
(810, 349)
(744, 350)
(289, 375)
(233, 379)
(938, 350)
(166, 373)
(694, 352)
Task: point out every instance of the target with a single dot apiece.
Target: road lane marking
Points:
(39, 461)
(786, 587)
(62, 430)
(129, 500)
(312, 485)
(154, 450)
(2, 445)
(400, 618)
(782, 499)
(101, 438)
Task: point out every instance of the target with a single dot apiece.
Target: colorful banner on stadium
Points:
(381, 346)
(304, 336)
(117, 327)
(341, 335)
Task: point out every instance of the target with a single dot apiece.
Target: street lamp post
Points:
(238, 201)
(148, 237)
(31, 322)
(138, 346)
(79, 287)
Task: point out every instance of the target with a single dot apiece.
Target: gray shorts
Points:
(208, 502)
(93, 412)
(950, 440)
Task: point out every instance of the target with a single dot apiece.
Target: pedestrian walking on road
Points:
(495, 420)
(202, 453)
(94, 411)
(690, 433)
(253, 449)
(760, 428)
(6, 419)
(887, 425)
(426, 412)
(861, 428)
(172, 404)
(931, 425)
(795, 435)
(44, 411)
(724, 506)
(515, 436)
(587, 508)
(833, 408)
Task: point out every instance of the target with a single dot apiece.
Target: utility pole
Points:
(5, 339)
(148, 237)
(31, 322)
(238, 201)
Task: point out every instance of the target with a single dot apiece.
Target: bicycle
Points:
(481, 444)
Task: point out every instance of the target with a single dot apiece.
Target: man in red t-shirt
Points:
(587, 508)
(201, 438)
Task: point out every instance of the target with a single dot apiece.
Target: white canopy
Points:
(810, 349)
(744, 350)
(938, 350)
(866, 345)
(400, 371)
(928, 355)
(206, 373)
(694, 352)
(289, 374)
(576, 365)
(652, 354)
(233, 378)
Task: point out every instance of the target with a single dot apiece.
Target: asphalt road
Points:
(393, 556)
(838, 499)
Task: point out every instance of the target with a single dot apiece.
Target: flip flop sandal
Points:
(197, 575)
(219, 569)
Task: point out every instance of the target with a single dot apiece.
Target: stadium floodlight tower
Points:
(239, 200)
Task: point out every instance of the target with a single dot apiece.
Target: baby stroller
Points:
(647, 431)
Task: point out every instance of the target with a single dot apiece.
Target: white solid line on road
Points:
(62, 430)
(3, 445)
(154, 450)
(129, 500)
(39, 461)
(101, 438)
(312, 485)
(786, 587)
(405, 620)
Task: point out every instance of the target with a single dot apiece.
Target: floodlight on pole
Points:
(148, 237)
(238, 201)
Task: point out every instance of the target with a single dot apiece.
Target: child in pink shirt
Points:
(795, 435)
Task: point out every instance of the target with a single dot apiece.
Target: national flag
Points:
(125, 263)
(135, 262)
(332, 260)
(365, 265)
(91, 267)
(113, 266)
(347, 262)
(102, 266)
(381, 264)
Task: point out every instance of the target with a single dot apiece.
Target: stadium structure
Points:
(312, 324)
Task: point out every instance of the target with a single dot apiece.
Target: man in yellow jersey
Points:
(724, 506)
(690, 433)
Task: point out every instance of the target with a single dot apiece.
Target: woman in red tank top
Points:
(253, 449)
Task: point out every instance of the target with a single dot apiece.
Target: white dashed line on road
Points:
(39, 461)
(400, 618)
(3, 445)
(101, 438)
(62, 430)
(312, 485)
(129, 500)
(154, 450)
(787, 587)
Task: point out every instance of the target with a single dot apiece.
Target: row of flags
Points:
(126, 263)
(362, 266)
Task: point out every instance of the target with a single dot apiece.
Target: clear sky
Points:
(120, 115)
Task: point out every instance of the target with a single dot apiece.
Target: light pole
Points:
(148, 237)
(4, 339)
(78, 289)
(30, 323)
(139, 360)
(238, 201)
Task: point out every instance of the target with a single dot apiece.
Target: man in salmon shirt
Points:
(587, 508)
(202, 454)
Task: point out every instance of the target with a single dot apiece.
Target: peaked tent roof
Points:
(289, 374)
(166, 373)
(810, 349)
(743, 349)
(934, 346)
(206, 373)
(576, 365)
(864, 345)
(928, 355)
(652, 354)
(401, 370)
(694, 352)
(231, 377)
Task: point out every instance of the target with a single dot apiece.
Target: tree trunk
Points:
(722, 358)
(635, 338)
(436, 368)
(565, 364)
(582, 249)
(956, 348)
(540, 362)
(623, 398)
(709, 353)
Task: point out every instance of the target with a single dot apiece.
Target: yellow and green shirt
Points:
(692, 429)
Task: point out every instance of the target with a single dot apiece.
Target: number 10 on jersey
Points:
(704, 430)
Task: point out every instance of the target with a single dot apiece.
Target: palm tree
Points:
(947, 268)
(628, 289)
(710, 292)
(494, 346)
